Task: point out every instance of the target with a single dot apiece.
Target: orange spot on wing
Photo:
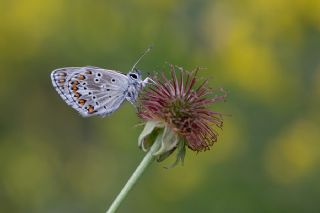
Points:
(77, 95)
(75, 82)
(88, 72)
(61, 80)
(74, 88)
(81, 77)
(90, 109)
(82, 102)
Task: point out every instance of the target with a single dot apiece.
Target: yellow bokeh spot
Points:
(295, 154)
(231, 142)
(27, 24)
(182, 180)
(246, 47)
(251, 66)
(34, 17)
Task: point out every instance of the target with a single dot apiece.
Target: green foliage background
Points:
(266, 53)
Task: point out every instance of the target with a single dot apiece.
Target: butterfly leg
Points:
(148, 80)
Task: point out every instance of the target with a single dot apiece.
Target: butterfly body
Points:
(96, 91)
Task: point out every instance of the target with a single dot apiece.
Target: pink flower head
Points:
(182, 107)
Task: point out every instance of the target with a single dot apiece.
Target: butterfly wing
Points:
(91, 90)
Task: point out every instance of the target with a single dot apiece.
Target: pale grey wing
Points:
(60, 78)
(96, 91)
(105, 91)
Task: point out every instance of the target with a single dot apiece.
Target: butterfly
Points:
(97, 91)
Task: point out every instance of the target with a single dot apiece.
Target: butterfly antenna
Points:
(144, 53)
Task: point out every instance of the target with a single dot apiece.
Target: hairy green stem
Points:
(148, 158)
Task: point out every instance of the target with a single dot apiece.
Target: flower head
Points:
(180, 108)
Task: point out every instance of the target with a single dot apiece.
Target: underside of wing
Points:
(91, 90)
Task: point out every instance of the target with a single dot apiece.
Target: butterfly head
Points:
(134, 77)
(135, 85)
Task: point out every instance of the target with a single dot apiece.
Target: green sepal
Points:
(169, 141)
(149, 134)
(181, 153)
(164, 156)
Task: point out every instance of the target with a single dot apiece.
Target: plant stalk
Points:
(148, 158)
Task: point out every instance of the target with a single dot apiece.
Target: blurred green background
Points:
(266, 53)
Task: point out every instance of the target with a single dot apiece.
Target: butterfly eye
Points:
(133, 76)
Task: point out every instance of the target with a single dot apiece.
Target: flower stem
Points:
(148, 158)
